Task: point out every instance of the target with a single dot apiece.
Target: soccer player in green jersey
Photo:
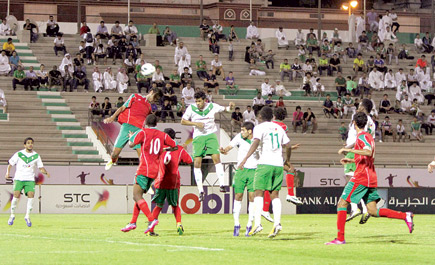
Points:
(243, 178)
(25, 161)
(201, 116)
(271, 139)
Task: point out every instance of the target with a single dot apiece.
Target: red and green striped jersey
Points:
(137, 110)
(365, 173)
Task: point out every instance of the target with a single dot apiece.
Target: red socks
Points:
(156, 212)
(341, 222)
(144, 208)
(290, 178)
(177, 213)
(136, 212)
(391, 214)
(266, 201)
(114, 159)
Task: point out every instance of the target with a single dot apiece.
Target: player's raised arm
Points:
(252, 150)
(113, 117)
(230, 107)
(225, 150)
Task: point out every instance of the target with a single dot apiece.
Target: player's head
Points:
(360, 120)
(280, 114)
(366, 106)
(170, 132)
(151, 121)
(247, 129)
(28, 143)
(154, 95)
(266, 114)
(200, 97)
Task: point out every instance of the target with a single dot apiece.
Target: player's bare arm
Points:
(363, 152)
(345, 161)
(113, 117)
(225, 150)
(199, 125)
(296, 146)
(231, 107)
(288, 154)
(252, 150)
(44, 171)
(8, 172)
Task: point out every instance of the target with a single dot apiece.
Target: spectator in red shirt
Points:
(280, 104)
(422, 62)
(297, 118)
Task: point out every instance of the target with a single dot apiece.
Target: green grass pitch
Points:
(96, 239)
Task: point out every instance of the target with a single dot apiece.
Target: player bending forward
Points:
(349, 168)
(167, 183)
(244, 178)
(132, 117)
(201, 116)
(152, 142)
(25, 161)
(363, 185)
(271, 138)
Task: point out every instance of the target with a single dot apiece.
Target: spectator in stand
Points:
(128, 64)
(351, 86)
(14, 61)
(418, 43)
(54, 77)
(392, 53)
(230, 83)
(19, 78)
(80, 79)
(186, 77)
(351, 52)
(120, 102)
(166, 111)
(155, 30)
(52, 27)
(236, 120)
(249, 115)
(181, 107)
(218, 31)
(387, 129)
(307, 84)
(334, 64)
(401, 132)
(106, 107)
(109, 79)
(169, 94)
(252, 32)
(5, 68)
(94, 107)
(422, 62)
(385, 106)
(216, 66)
(404, 53)
(188, 94)
(258, 103)
(8, 47)
(33, 30)
(181, 51)
(269, 101)
(340, 84)
(67, 61)
(402, 90)
(422, 120)
(259, 48)
(342, 130)
(312, 45)
(130, 31)
(427, 43)
(349, 105)
(183, 64)
(338, 49)
(416, 130)
(158, 78)
(301, 53)
(204, 29)
(297, 118)
(141, 82)
(84, 29)
(5, 30)
(415, 93)
(300, 39)
(175, 80)
(280, 89)
(324, 65)
(89, 46)
(285, 70)
(280, 104)
(32, 78)
(42, 76)
(309, 119)
(268, 58)
(335, 38)
(102, 30)
(131, 51)
(412, 78)
(363, 85)
(282, 38)
(358, 65)
(233, 35)
(3, 103)
(230, 50)
(318, 88)
(123, 80)
(376, 80)
(296, 70)
(78, 62)
(311, 33)
(380, 64)
(325, 48)
(363, 42)
(97, 79)
(116, 31)
(431, 121)
(339, 108)
(266, 88)
(371, 20)
(390, 80)
(213, 44)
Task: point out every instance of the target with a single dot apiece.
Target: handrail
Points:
(95, 123)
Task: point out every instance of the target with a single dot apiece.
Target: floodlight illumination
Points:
(345, 7)
(353, 4)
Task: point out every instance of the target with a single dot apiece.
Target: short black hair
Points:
(170, 132)
(298, 107)
(237, 108)
(106, 98)
(367, 104)
(151, 120)
(120, 98)
(248, 125)
(266, 113)
(27, 139)
(200, 94)
(280, 114)
(157, 91)
(94, 97)
(360, 119)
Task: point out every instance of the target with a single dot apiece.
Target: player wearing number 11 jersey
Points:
(152, 143)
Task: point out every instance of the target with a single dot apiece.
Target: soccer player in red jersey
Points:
(363, 185)
(132, 117)
(167, 183)
(152, 143)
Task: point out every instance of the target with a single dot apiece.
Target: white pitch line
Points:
(120, 242)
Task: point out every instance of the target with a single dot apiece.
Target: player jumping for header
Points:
(363, 184)
(201, 116)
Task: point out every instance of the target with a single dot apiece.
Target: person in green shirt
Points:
(350, 86)
(175, 80)
(324, 65)
(416, 129)
(120, 102)
(155, 30)
(349, 105)
(201, 68)
(343, 131)
(313, 45)
(340, 84)
(20, 78)
(157, 65)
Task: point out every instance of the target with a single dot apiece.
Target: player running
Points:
(349, 168)
(201, 116)
(167, 183)
(132, 117)
(152, 142)
(363, 184)
(25, 161)
(271, 138)
(244, 178)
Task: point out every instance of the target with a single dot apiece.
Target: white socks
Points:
(353, 207)
(364, 207)
(276, 206)
(251, 209)
(236, 212)
(198, 178)
(258, 202)
(13, 206)
(29, 207)
(220, 173)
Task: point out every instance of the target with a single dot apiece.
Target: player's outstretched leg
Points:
(132, 225)
(266, 205)
(13, 207)
(290, 189)
(354, 211)
(365, 215)
(113, 158)
(408, 217)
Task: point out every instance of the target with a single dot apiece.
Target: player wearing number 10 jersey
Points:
(167, 183)
(152, 143)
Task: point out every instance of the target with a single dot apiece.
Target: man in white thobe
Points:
(282, 39)
(252, 32)
(360, 25)
(181, 51)
(376, 79)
